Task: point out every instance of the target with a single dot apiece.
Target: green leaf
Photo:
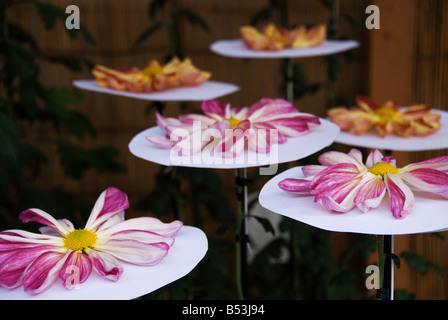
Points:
(421, 264)
(31, 157)
(266, 224)
(21, 35)
(76, 160)
(56, 100)
(195, 19)
(147, 33)
(9, 131)
(156, 5)
(50, 14)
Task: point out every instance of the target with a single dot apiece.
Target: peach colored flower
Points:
(275, 38)
(391, 118)
(154, 77)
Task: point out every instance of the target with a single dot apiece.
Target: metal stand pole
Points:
(387, 290)
(242, 238)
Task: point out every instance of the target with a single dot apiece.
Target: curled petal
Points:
(374, 157)
(187, 74)
(366, 104)
(311, 38)
(340, 198)
(51, 231)
(253, 39)
(370, 194)
(401, 197)
(110, 203)
(164, 122)
(214, 109)
(161, 142)
(312, 170)
(76, 270)
(106, 265)
(41, 216)
(135, 252)
(333, 176)
(296, 186)
(335, 157)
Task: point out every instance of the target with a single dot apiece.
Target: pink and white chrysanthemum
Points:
(342, 181)
(36, 261)
(267, 122)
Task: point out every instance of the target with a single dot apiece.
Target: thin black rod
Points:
(388, 278)
(242, 237)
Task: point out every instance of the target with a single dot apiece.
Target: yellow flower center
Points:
(385, 114)
(234, 122)
(381, 169)
(80, 239)
(152, 70)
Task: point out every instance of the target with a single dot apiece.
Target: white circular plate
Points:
(189, 248)
(430, 212)
(293, 149)
(237, 49)
(206, 91)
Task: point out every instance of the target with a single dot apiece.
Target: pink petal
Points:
(370, 194)
(439, 163)
(296, 186)
(41, 216)
(340, 198)
(374, 157)
(110, 203)
(335, 157)
(161, 142)
(333, 176)
(205, 120)
(135, 252)
(51, 231)
(215, 109)
(268, 109)
(150, 224)
(142, 236)
(429, 180)
(401, 197)
(76, 269)
(14, 262)
(106, 265)
(43, 272)
(312, 170)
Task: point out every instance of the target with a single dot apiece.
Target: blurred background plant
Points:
(35, 118)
